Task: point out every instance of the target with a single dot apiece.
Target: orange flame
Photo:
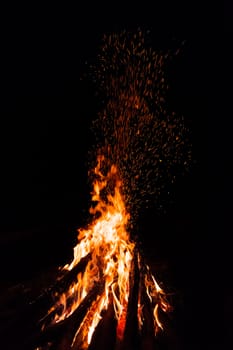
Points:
(111, 249)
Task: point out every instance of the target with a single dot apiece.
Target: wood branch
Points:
(70, 276)
(104, 337)
(65, 330)
(38, 308)
(130, 339)
(46, 297)
(81, 338)
(147, 330)
(60, 287)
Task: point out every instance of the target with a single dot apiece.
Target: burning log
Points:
(62, 283)
(104, 337)
(83, 336)
(70, 276)
(64, 331)
(155, 306)
(147, 331)
(37, 308)
(130, 336)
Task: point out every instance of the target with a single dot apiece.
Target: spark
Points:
(138, 134)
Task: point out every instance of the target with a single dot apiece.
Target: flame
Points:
(107, 241)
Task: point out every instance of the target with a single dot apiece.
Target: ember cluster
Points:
(134, 129)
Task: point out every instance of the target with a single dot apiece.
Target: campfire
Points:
(109, 274)
(107, 297)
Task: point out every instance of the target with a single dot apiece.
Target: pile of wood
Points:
(69, 333)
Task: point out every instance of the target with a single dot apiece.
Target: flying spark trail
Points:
(147, 143)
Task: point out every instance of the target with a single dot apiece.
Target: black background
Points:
(45, 137)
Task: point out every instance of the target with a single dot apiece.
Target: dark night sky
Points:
(45, 137)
